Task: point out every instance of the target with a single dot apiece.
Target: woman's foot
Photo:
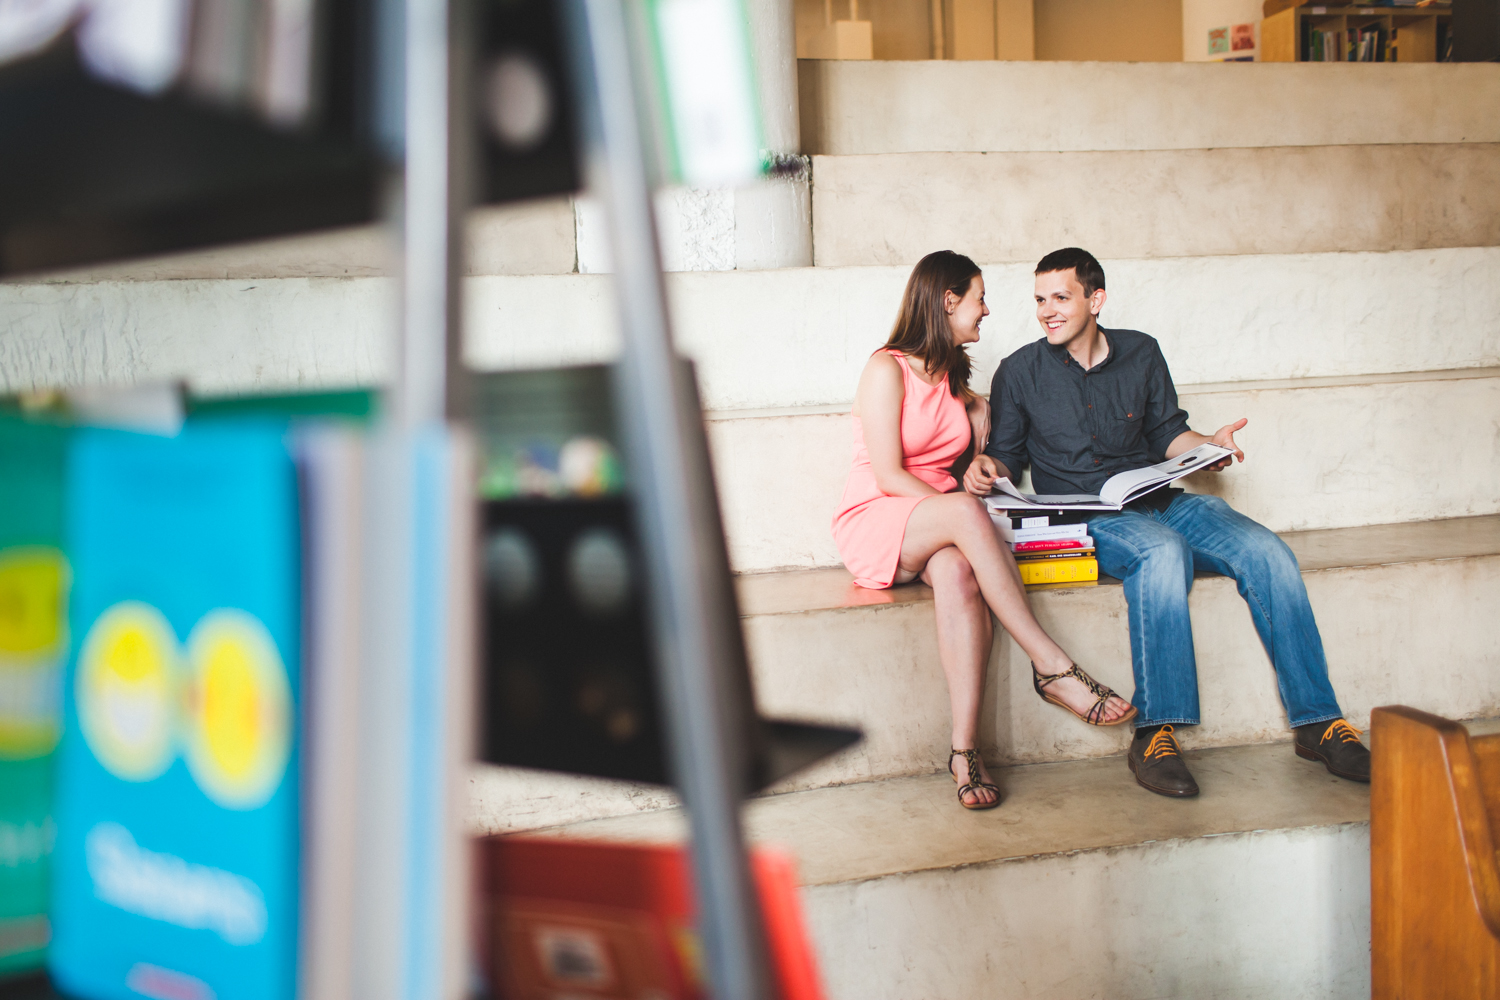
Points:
(1079, 698)
(964, 766)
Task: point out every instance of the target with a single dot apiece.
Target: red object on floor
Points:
(616, 921)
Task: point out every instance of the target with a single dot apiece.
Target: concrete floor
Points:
(867, 830)
(1080, 884)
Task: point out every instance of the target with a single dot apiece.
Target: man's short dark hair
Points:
(1080, 262)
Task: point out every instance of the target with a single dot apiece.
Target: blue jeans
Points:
(1155, 554)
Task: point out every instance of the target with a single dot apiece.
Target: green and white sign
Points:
(706, 79)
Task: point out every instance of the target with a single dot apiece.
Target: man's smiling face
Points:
(1062, 307)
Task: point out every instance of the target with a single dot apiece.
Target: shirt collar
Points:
(1060, 352)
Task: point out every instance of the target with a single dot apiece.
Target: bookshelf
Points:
(1397, 34)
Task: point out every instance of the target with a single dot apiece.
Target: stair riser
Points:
(1331, 457)
(1287, 917)
(801, 337)
(1392, 635)
(531, 237)
(767, 339)
(893, 208)
(851, 107)
(218, 336)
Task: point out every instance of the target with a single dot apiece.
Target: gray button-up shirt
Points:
(1076, 428)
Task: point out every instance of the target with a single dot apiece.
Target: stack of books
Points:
(1049, 548)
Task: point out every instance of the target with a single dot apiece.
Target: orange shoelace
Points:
(1162, 744)
(1341, 729)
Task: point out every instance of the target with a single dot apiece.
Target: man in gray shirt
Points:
(1084, 403)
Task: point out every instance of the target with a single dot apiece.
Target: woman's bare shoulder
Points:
(883, 361)
(879, 382)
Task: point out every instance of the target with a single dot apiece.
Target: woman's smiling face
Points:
(965, 314)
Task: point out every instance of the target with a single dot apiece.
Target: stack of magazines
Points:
(1049, 548)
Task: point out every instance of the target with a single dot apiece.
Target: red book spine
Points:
(1052, 545)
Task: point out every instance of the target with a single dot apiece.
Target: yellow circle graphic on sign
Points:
(126, 690)
(239, 710)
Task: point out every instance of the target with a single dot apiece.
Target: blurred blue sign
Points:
(175, 868)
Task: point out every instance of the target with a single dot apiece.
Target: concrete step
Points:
(531, 237)
(1400, 609)
(853, 107)
(892, 208)
(1080, 884)
(1325, 452)
(764, 339)
(1321, 453)
(755, 226)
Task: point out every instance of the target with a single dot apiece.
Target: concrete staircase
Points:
(1299, 263)
(1329, 268)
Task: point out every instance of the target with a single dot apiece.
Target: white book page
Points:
(1008, 497)
(1123, 487)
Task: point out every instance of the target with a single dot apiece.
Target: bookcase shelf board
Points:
(1309, 33)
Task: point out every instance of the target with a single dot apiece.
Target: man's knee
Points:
(1164, 567)
(1166, 552)
(1267, 554)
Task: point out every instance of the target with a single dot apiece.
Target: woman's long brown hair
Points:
(922, 329)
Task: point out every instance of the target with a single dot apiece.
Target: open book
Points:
(1118, 490)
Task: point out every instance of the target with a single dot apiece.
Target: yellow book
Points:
(1058, 570)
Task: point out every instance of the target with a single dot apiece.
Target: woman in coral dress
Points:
(903, 517)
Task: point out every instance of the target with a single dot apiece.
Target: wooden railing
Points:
(1434, 873)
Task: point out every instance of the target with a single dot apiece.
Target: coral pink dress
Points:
(870, 525)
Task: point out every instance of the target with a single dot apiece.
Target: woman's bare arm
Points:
(877, 403)
(979, 420)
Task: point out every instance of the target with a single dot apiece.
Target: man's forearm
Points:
(1186, 441)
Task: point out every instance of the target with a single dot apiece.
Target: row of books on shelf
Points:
(1050, 549)
(1372, 43)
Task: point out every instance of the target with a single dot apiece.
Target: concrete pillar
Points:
(773, 42)
(773, 219)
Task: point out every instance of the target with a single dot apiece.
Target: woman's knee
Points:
(969, 512)
(950, 572)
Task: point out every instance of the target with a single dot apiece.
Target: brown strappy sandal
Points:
(1094, 715)
(976, 782)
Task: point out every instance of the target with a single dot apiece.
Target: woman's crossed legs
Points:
(951, 544)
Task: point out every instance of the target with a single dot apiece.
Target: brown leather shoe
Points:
(1337, 745)
(1158, 765)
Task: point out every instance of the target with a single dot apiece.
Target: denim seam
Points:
(1176, 722)
(1314, 722)
(1252, 592)
(1145, 681)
